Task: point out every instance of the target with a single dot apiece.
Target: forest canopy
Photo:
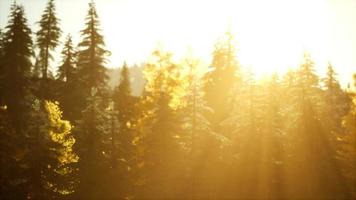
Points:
(167, 128)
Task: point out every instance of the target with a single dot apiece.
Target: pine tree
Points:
(347, 148)
(125, 107)
(198, 133)
(311, 143)
(67, 69)
(93, 139)
(67, 74)
(222, 76)
(93, 128)
(48, 36)
(16, 68)
(272, 181)
(246, 137)
(336, 101)
(160, 127)
(91, 55)
(15, 102)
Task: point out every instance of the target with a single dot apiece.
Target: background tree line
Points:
(190, 134)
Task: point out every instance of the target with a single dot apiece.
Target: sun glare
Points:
(271, 36)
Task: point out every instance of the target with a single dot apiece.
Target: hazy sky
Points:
(271, 35)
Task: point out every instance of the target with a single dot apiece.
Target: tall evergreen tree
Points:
(125, 107)
(347, 148)
(93, 139)
(160, 127)
(197, 131)
(67, 74)
(311, 144)
(222, 76)
(47, 37)
(16, 100)
(336, 102)
(66, 70)
(91, 55)
(91, 101)
(16, 68)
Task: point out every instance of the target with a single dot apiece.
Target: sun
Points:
(275, 36)
(271, 36)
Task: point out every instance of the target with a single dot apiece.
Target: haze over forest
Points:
(176, 123)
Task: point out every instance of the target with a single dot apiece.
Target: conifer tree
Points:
(67, 74)
(222, 76)
(336, 101)
(311, 143)
(246, 136)
(91, 100)
(16, 68)
(15, 98)
(347, 148)
(195, 108)
(125, 107)
(198, 133)
(91, 55)
(159, 128)
(93, 139)
(67, 69)
(47, 37)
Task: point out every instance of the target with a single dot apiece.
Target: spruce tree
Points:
(336, 101)
(125, 107)
(66, 70)
(347, 148)
(67, 74)
(93, 139)
(47, 37)
(198, 134)
(160, 127)
(222, 76)
(311, 143)
(91, 56)
(91, 102)
(246, 136)
(16, 68)
(15, 102)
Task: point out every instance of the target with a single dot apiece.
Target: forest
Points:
(193, 132)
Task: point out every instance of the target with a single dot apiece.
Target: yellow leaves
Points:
(59, 132)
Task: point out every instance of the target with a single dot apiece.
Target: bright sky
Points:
(271, 35)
